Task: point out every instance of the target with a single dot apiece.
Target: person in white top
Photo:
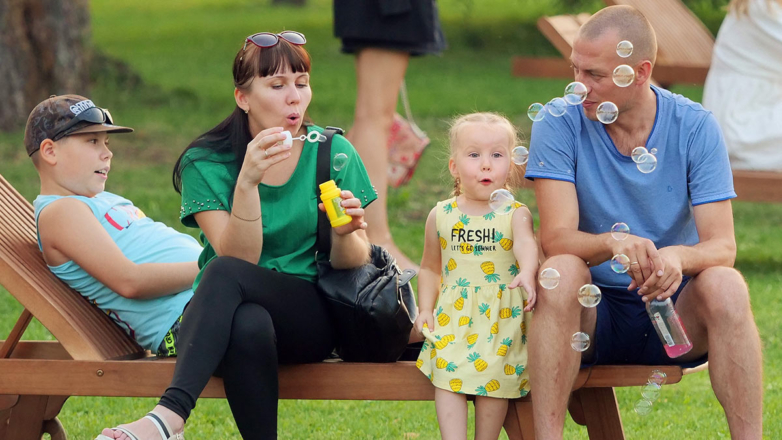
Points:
(744, 85)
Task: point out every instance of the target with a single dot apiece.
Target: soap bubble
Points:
(651, 392)
(607, 112)
(646, 163)
(501, 201)
(589, 295)
(575, 93)
(643, 407)
(520, 155)
(624, 49)
(637, 153)
(579, 341)
(557, 107)
(549, 278)
(535, 112)
(339, 162)
(620, 263)
(658, 377)
(653, 151)
(623, 75)
(620, 231)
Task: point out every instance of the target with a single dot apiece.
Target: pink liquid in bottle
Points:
(669, 327)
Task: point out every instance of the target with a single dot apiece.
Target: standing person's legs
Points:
(715, 309)
(379, 75)
(553, 364)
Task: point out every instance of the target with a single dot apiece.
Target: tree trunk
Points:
(44, 50)
(289, 2)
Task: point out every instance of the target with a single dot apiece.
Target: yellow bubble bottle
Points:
(330, 195)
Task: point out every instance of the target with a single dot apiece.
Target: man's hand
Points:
(664, 282)
(644, 258)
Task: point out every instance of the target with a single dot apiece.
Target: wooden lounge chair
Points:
(684, 44)
(93, 357)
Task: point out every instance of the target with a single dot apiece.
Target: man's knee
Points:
(723, 293)
(573, 273)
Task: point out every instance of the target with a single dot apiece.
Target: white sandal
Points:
(159, 422)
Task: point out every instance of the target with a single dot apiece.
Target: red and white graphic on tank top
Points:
(122, 216)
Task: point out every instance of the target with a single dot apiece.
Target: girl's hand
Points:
(527, 281)
(353, 208)
(424, 318)
(263, 152)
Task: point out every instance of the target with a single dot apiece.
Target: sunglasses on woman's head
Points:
(268, 39)
(95, 115)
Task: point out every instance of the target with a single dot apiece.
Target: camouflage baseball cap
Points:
(64, 115)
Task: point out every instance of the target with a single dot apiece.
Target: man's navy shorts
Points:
(624, 334)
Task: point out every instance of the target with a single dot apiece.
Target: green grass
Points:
(164, 68)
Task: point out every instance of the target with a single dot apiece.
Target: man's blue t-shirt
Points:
(692, 169)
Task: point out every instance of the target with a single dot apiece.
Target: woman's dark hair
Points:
(233, 133)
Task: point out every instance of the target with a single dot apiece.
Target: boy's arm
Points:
(69, 227)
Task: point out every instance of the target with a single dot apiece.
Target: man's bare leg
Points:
(715, 309)
(553, 363)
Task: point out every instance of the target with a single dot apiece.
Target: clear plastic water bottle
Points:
(669, 327)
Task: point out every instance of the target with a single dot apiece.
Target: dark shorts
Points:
(167, 347)
(624, 334)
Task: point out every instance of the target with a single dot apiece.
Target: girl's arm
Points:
(70, 231)
(525, 249)
(429, 275)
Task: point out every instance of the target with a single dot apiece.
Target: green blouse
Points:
(289, 211)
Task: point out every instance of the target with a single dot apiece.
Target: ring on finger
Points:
(266, 152)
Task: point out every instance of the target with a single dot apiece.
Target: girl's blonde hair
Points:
(740, 7)
(515, 174)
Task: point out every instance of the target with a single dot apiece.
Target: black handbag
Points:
(372, 306)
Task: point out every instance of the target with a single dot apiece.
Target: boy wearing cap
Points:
(138, 271)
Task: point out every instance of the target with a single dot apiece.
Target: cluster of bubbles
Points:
(589, 295)
(575, 94)
(650, 392)
(645, 161)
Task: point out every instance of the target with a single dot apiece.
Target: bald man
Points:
(681, 243)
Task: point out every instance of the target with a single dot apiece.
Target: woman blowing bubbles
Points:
(254, 199)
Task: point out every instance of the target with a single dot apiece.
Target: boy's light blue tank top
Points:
(142, 240)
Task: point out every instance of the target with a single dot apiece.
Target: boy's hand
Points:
(425, 318)
(353, 208)
(527, 281)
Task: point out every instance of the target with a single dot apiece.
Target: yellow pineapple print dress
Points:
(479, 345)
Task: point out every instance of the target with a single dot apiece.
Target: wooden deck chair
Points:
(93, 357)
(684, 44)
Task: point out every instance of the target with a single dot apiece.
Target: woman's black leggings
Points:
(242, 322)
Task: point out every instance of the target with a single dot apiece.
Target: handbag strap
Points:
(323, 239)
(408, 113)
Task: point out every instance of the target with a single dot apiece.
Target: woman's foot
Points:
(146, 429)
